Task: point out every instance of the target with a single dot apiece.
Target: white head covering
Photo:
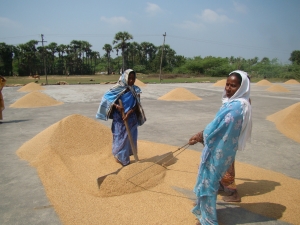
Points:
(242, 95)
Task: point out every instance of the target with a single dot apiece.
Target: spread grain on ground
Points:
(264, 82)
(31, 87)
(71, 154)
(220, 83)
(34, 100)
(288, 121)
(179, 94)
(277, 88)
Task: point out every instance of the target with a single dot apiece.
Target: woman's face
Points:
(232, 85)
(131, 79)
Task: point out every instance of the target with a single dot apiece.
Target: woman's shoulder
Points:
(234, 105)
(137, 89)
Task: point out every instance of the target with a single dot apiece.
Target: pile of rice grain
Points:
(179, 94)
(220, 83)
(291, 81)
(288, 121)
(35, 99)
(277, 88)
(139, 83)
(31, 87)
(264, 82)
(133, 178)
(71, 154)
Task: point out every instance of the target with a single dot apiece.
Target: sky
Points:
(219, 28)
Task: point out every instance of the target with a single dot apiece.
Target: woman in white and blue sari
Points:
(133, 113)
(226, 134)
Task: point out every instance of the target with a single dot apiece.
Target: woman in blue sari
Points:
(226, 134)
(129, 94)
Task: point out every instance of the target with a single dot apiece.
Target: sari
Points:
(129, 95)
(227, 133)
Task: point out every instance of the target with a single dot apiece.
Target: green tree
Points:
(108, 49)
(28, 63)
(121, 39)
(295, 57)
(6, 58)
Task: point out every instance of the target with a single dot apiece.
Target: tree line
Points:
(78, 58)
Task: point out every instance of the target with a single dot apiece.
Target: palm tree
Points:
(53, 49)
(28, 57)
(108, 49)
(121, 39)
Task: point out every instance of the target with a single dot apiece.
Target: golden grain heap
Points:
(179, 94)
(220, 83)
(264, 82)
(31, 87)
(139, 83)
(277, 88)
(35, 99)
(71, 154)
(288, 121)
(291, 81)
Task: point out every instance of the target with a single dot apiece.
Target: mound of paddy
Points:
(264, 82)
(139, 83)
(179, 94)
(277, 88)
(220, 83)
(133, 178)
(288, 121)
(34, 100)
(31, 87)
(71, 154)
(291, 81)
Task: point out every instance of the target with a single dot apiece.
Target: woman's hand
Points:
(196, 138)
(118, 107)
(126, 115)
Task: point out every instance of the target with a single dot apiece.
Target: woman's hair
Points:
(238, 76)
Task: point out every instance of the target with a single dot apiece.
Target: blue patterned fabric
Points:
(121, 148)
(129, 96)
(221, 143)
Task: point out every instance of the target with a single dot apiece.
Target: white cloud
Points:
(115, 20)
(5, 22)
(190, 25)
(239, 7)
(152, 8)
(211, 16)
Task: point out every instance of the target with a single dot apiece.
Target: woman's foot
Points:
(233, 197)
(118, 161)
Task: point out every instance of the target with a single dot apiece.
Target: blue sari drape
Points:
(221, 143)
(121, 148)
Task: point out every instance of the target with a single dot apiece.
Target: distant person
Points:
(110, 109)
(222, 137)
(2, 107)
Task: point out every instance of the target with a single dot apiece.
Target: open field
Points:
(59, 185)
(97, 79)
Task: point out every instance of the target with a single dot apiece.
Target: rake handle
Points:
(133, 147)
